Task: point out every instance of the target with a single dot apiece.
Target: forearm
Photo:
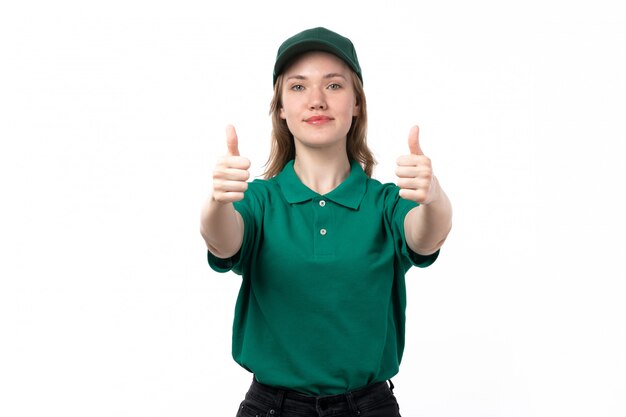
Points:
(427, 226)
(221, 226)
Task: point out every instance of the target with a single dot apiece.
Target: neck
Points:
(322, 172)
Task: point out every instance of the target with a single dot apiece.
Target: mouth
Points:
(318, 120)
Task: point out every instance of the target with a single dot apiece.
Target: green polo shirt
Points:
(321, 309)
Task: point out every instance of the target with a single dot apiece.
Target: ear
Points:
(282, 114)
(356, 108)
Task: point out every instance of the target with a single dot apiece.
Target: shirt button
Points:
(323, 232)
(322, 203)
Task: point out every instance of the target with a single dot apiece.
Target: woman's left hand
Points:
(415, 173)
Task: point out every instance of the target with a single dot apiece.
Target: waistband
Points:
(352, 400)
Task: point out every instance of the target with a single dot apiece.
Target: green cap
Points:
(317, 39)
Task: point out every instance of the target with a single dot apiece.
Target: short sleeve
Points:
(221, 264)
(422, 261)
(398, 209)
(249, 210)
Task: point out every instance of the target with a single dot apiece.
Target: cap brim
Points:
(308, 46)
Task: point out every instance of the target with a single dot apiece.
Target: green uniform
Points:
(321, 308)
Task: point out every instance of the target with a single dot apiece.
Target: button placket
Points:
(323, 225)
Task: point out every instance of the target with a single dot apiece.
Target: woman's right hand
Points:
(231, 173)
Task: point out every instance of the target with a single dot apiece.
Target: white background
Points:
(113, 113)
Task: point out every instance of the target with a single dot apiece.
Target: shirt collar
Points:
(349, 193)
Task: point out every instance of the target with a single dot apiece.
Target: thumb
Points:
(231, 141)
(414, 141)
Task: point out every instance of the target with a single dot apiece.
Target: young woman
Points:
(321, 246)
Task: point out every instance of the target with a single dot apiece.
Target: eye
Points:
(334, 86)
(297, 87)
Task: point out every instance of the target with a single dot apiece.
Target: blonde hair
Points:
(283, 148)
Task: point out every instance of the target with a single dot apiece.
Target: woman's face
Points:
(318, 100)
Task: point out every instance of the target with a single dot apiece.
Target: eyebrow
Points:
(327, 76)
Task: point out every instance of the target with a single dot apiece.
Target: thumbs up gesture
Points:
(230, 176)
(415, 173)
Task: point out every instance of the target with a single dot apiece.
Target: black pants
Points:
(376, 400)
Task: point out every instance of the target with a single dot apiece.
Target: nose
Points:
(317, 100)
